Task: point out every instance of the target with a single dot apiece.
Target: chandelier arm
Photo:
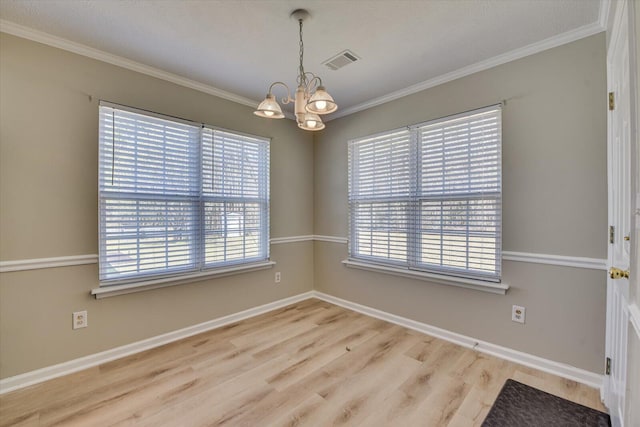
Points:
(314, 79)
(286, 100)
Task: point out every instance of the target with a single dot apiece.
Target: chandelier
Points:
(311, 98)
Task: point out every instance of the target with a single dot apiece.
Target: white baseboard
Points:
(75, 365)
(560, 369)
(34, 377)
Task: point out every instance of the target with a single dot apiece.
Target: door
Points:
(620, 212)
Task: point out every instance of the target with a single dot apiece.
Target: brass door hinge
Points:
(612, 104)
(607, 369)
(612, 234)
(618, 273)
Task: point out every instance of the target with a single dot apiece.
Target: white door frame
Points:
(620, 308)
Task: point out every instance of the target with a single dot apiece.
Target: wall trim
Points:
(65, 261)
(603, 14)
(561, 260)
(37, 263)
(84, 50)
(291, 239)
(549, 43)
(634, 317)
(560, 369)
(50, 372)
(332, 239)
(81, 49)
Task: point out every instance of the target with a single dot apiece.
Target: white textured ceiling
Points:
(241, 46)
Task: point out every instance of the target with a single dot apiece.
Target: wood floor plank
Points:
(439, 408)
(311, 363)
(473, 405)
(300, 415)
(364, 393)
(210, 398)
(321, 357)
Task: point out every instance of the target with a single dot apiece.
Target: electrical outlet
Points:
(80, 319)
(517, 313)
(278, 277)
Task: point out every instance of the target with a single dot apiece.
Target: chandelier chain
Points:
(302, 79)
(310, 97)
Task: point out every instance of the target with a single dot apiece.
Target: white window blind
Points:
(176, 197)
(380, 181)
(429, 197)
(235, 193)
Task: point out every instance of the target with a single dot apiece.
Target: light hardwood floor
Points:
(310, 363)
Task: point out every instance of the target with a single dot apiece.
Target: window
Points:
(428, 197)
(176, 197)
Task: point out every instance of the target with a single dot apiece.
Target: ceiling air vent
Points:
(345, 57)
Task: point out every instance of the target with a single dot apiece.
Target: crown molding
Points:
(80, 49)
(551, 42)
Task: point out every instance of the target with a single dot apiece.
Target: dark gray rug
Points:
(521, 405)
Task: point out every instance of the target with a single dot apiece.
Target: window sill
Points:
(478, 285)
(114, 290)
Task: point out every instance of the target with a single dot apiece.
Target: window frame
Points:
(411, 263)
(197, 265)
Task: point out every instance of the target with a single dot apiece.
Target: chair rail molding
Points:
(53, 262)
(535, 258)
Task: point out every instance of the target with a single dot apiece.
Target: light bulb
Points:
(311, 123)
(321, 105)
(268, 113)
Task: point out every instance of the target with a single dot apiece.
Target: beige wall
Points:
(48, 197)
(554, 202)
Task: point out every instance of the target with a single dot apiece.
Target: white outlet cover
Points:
(278, 277)
(80, 319)
(518, 313)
